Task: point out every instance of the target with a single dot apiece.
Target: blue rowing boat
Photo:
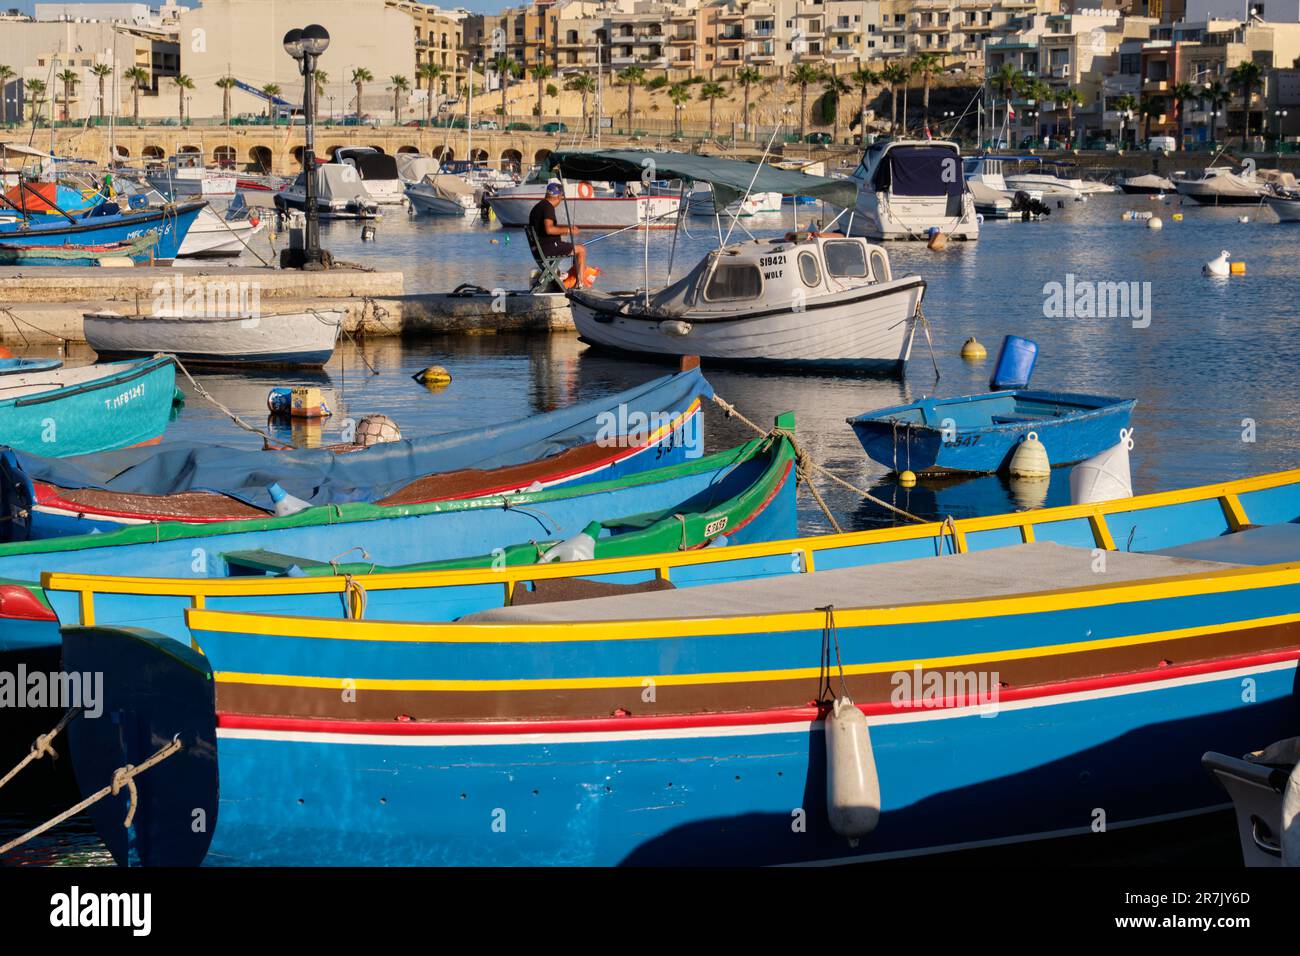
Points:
(101, 227)
(1008, 678)
(20, 366)
(76, 411)
(977, 434)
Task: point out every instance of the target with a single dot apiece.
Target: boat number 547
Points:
(964, 441)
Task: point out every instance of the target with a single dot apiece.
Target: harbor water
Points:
(1211, 362)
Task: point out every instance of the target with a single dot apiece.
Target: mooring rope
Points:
(123, 777)
(806, 465)
(203, 393)
(42, 745)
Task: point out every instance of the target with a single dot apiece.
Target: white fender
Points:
(852, 784)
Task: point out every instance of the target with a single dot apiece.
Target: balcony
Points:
(844, 28)
(731, 38)
(842, 51)
(762, 58)
(893, 27)
(731, 16)
(680, 38)
(764, 34)
(1155, 86)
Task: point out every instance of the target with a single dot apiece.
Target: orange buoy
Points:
(5, 353)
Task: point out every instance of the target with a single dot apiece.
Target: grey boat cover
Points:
(332, 183)
(320, 476)
(413, 167)
(731, 178)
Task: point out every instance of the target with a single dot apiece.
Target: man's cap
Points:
(554, 189)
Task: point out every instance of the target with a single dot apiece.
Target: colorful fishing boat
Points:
(979, 433)
(1019, 675)
(745, 494)
(76, 411)
(649, 426)
(25, 254)
(102, 226)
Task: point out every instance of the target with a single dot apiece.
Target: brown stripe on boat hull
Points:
(742, 696)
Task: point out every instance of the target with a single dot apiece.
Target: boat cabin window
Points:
(809, 271)
(880, 266)
(734, 281)
(845, 258)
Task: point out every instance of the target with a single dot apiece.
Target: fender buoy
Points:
(852, 783)
(585, 191)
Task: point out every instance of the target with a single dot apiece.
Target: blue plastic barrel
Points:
(279, 401)
(1015, 363)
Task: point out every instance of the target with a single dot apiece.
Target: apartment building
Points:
(955, 30)
(439, 41)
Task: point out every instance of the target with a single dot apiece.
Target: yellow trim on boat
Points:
(735, 677)
(1227, 494)
(514, 632)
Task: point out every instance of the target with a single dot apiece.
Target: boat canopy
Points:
(413, 167)
(920, 171)
(731, 179)
(374, 166)
(338, 182)
(449, 187)
(320, 476)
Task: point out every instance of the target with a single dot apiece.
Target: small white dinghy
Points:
(212, 236)
(810, 301)
(303, 338)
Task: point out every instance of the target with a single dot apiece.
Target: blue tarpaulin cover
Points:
(320, 476)
(924, 171)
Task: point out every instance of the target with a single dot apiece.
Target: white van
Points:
(1165, 144)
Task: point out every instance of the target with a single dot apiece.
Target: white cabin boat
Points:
(908, 187)
(1221, 186)
(212, 236)
(811, 301)
(586, 206)
(339, 194)
(700, 203)
(185, 176)
(378, 172)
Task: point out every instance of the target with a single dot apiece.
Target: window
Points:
(809, 270)
(880, 266)
(731, 282)
(846, 258)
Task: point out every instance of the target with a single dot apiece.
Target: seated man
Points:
(548, 232)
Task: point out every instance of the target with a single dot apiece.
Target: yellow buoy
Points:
(433, 375)
(973, 351)
(1178, 217)
(1030, 459)
(938, 242)
(907, 478)
(1237, 268)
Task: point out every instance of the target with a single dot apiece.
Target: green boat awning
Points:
(730, 178)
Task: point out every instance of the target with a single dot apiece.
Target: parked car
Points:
(487, 124)
(521, 127)
(554, 127)
(1161, 144)
(819, 139)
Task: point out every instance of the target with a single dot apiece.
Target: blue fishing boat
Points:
(977, 434)
(999, 685)
(76, 411)
(23, 254)
(741, 495)
(20, 366)
(649, 426)
(106, 225)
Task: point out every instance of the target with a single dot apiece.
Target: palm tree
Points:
(1124, 104)
(321, 79)
(1006, 81)
(6, 74)
(909, 70)
(541, 73)
(835, 88)
(1148, 108)
(225, 84)
(584, 84)
(746, 77)
(1182, 92)
(101, 71)
(271, 91)
(894, 74)
(35, 90)
(360, 77)
(183, 83)
(139, 78)
(925, 66)
(678, 94)
(1070, 98)
(1217, 94)
(711, 93)
(803, 75)
(632, 77)
(505, 68)
(432, 73)
(863, 79)
(69, 79)
(399, 85)
(1246, 74)
(1040, 92)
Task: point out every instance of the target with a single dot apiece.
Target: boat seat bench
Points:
(1040, 566)
(1261, 544)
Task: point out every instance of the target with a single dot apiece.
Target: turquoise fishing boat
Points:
(20, 366)
(850, 697)
(75, 411)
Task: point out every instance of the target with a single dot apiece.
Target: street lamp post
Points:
(305, 46)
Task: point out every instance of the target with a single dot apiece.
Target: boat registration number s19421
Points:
(777, 260)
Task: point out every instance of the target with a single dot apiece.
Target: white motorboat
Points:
(700, 203)
(1047, 185)
(1285, 205)
(414, 167)
(908, 187)
(292, 338)
(1221, 186)
(378, 172)
(585, 206)
(339, 194)
(185, 176)
(1148, 185)
(815, 301)
(212, 236)
(442, 195)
